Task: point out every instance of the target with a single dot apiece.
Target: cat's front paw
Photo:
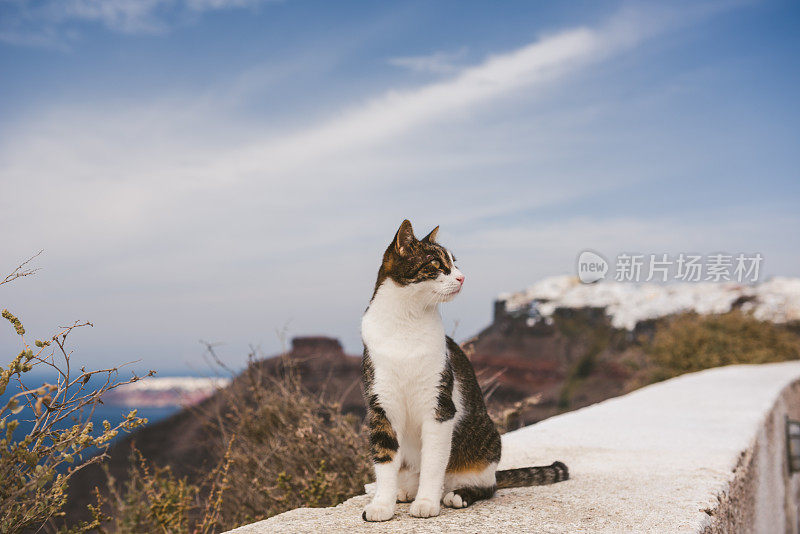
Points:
(378, 512)
(424, 508)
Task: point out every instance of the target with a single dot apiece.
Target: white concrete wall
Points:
(703, 452)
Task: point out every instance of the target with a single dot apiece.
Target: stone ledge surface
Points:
(664, 458)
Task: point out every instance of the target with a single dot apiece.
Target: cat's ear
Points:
(431, 237)
(404, 237)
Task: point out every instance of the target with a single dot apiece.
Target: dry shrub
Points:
(690, 342)
(60, 439)
(291, 449)
(280, 447)
(152, 499)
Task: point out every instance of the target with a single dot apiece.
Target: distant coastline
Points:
(154, 398)
(160, 392)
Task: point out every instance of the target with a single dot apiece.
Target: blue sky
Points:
(226, 169)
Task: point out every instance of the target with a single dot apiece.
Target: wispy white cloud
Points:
(56, 22)
(398, 113)
(158, 148)
(435, 63)
(467, 90)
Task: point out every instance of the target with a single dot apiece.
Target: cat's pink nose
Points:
(460, 279)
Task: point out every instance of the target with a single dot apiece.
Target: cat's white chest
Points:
(408, 358)
(390, 339)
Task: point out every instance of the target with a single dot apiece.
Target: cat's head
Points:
(421, 267)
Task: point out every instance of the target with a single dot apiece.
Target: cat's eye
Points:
(435, 264)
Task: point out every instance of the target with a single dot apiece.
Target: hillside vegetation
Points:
(274, 446)
(690, 342)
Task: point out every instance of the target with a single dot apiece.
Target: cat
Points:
(431, 440)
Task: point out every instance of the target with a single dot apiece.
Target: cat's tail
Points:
(532, 476)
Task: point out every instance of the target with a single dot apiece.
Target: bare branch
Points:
(21, 270)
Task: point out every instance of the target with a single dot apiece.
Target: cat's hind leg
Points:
(465, 487)
(463, 497)
(407, 484)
